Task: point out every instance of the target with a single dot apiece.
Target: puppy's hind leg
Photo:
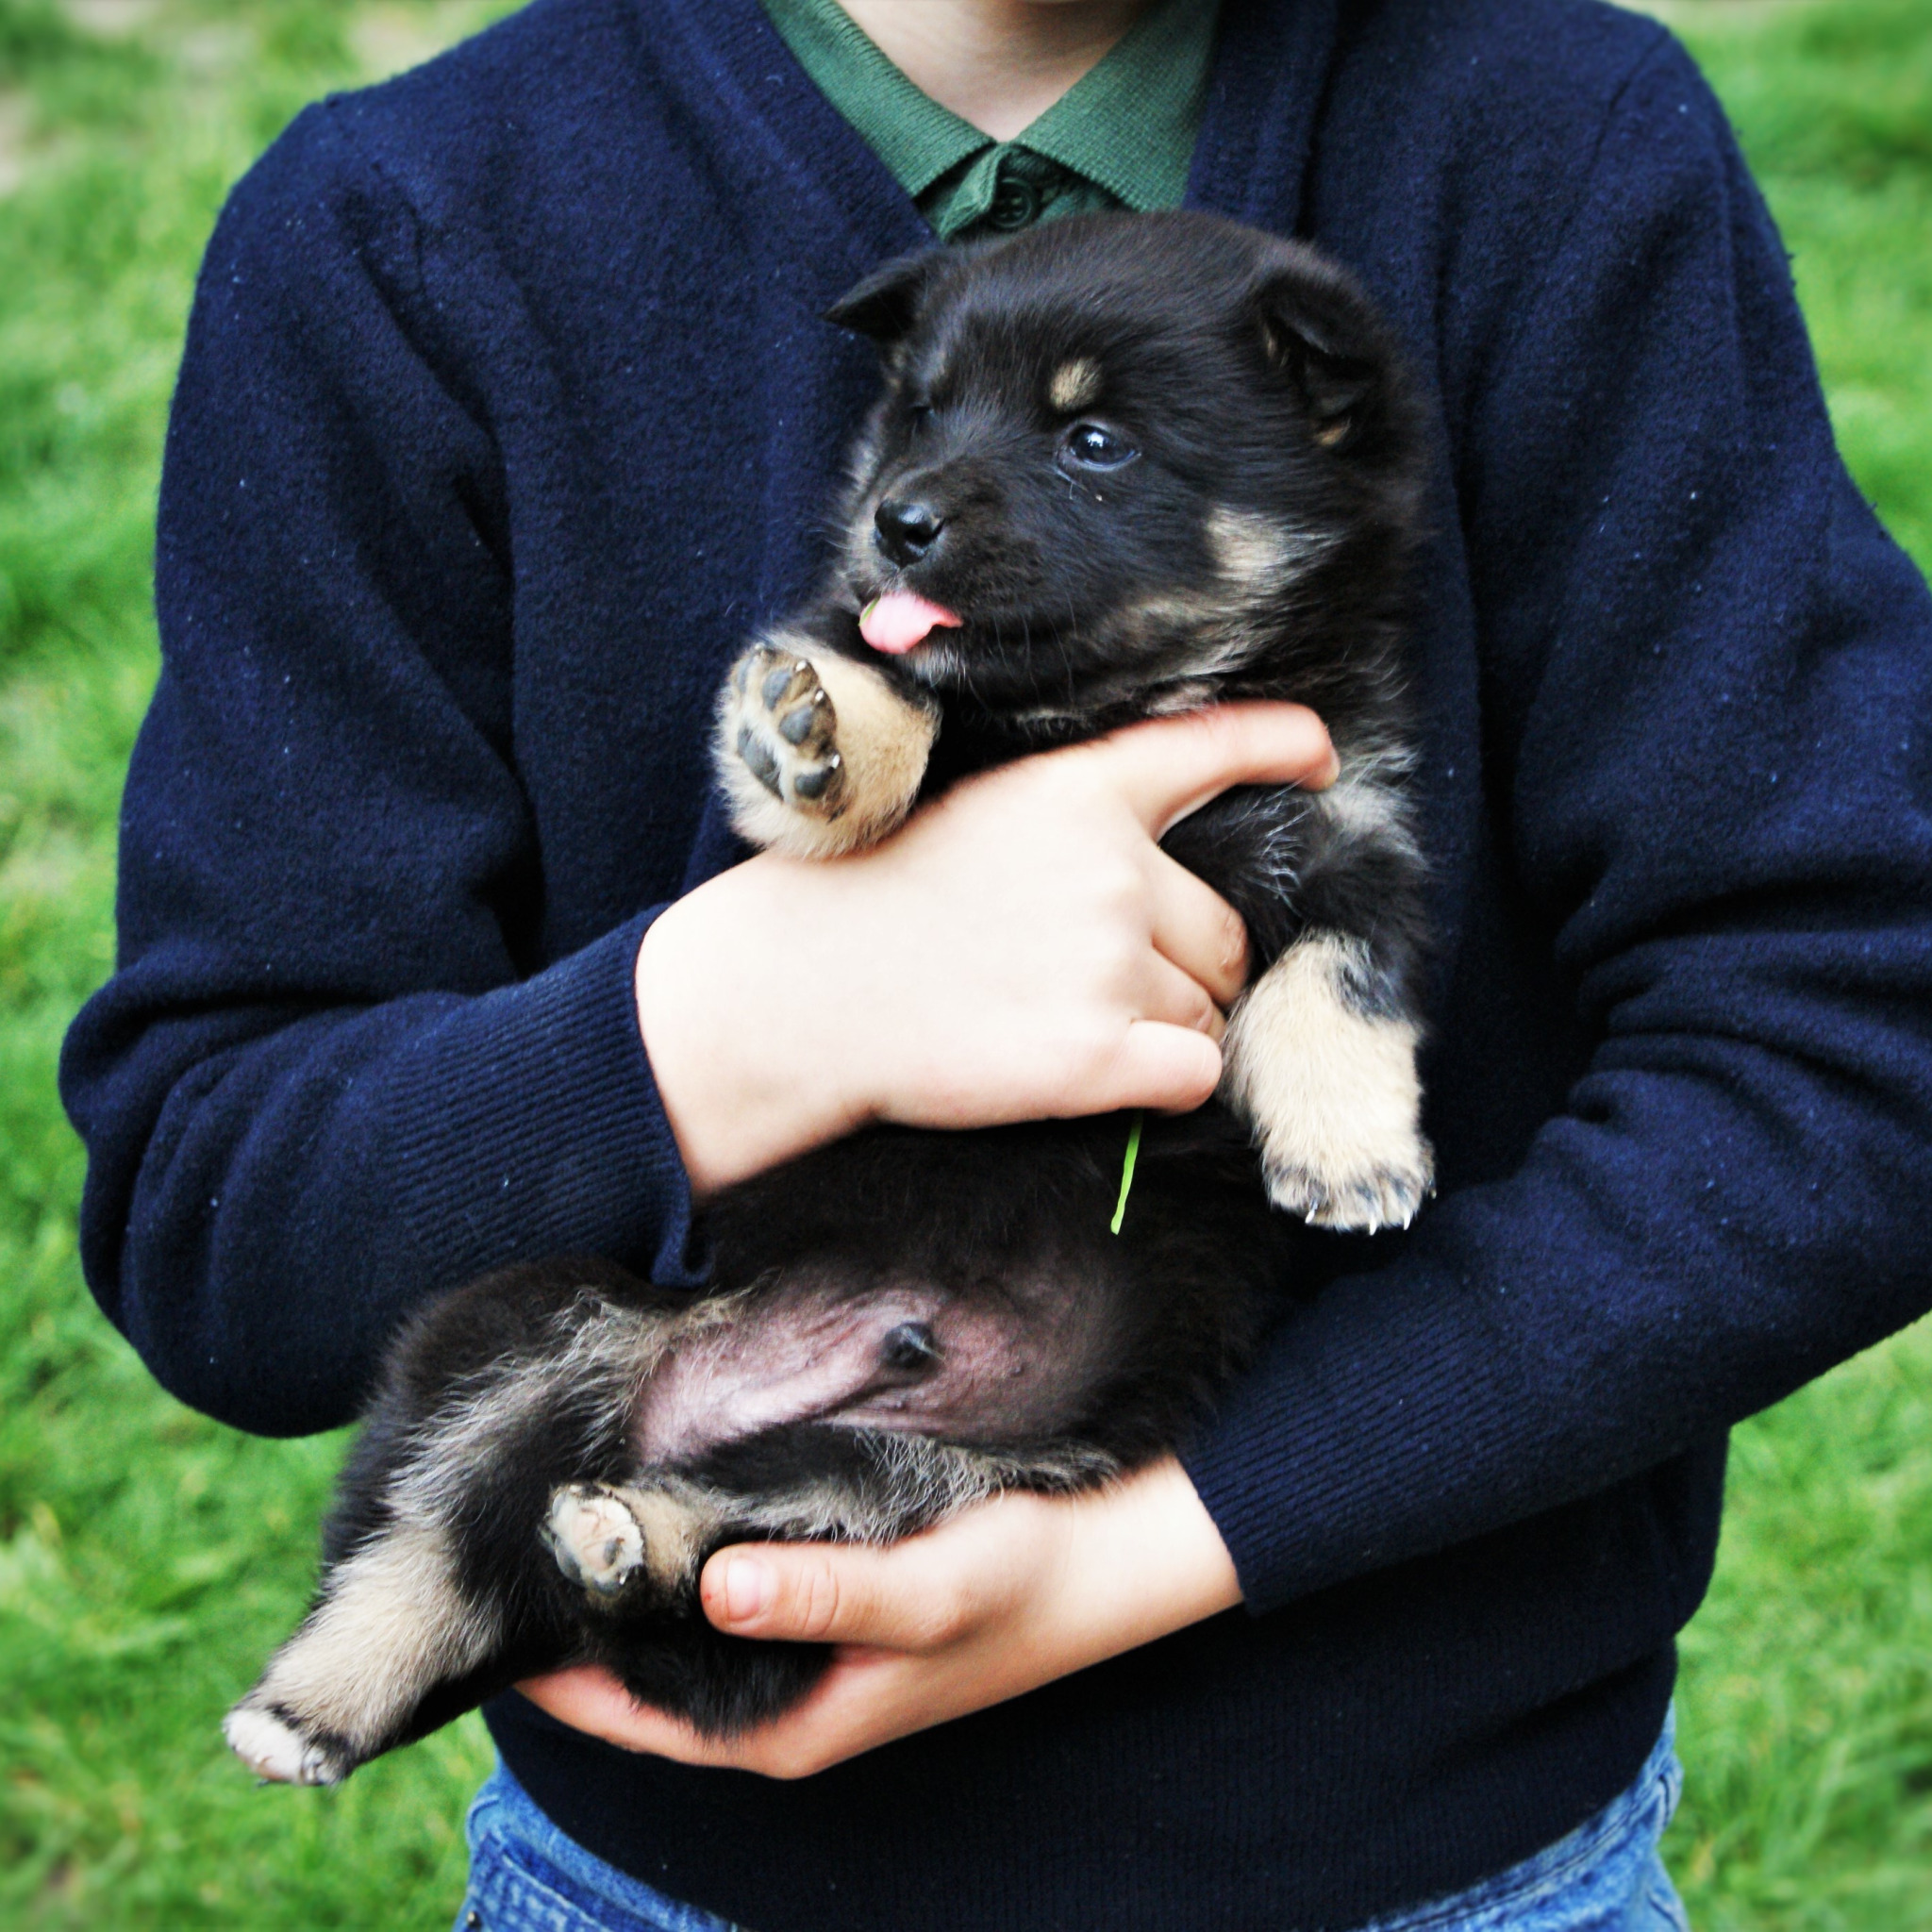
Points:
(391, 1623)
(631, 1541)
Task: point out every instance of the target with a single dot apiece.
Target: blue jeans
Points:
(1606, 1877)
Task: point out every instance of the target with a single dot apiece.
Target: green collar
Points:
(1123, 136)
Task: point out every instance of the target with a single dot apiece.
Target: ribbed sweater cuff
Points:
(1382, 1423)
(537, 1127)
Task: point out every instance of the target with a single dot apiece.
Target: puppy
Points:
(1120, 466)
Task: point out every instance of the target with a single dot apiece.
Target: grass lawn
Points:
(148, 1559)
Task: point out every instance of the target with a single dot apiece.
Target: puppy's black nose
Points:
(906, 530)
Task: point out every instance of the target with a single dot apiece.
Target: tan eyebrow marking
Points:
(1074, 384)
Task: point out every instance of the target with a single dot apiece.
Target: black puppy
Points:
(1122, 466)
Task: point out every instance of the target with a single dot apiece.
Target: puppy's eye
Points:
(919, 415)
(1091, 447)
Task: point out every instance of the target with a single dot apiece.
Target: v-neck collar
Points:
(1127, 125)
(817, 191)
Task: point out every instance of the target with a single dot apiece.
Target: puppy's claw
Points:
(1364, 1203)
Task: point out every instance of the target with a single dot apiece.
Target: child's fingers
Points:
(898, 1598)
(588, 1698)
(1170, 1069)
(1170, 766)
(1174, 998)
(1198, 930)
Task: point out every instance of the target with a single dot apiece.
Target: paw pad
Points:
(787, 730)
(594, 1538)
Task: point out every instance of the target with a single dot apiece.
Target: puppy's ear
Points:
(886, 304)
(1320, 334)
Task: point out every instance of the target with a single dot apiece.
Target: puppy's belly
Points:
(899, 1356)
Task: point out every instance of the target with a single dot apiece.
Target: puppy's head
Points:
(1121, 452)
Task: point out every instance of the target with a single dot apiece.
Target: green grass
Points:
(1807, 1700)
(149, 1559)
(146, 1556)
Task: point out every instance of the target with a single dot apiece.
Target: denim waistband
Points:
(526, 1877)
(1606, 1873)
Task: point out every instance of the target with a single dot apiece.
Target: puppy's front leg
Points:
(819, 754)
(1326, 1073)
(1320, 1055)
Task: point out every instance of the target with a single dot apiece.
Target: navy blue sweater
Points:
(507, 411)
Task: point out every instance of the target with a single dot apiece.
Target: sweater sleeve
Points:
(324, 1080)
(1708, 676)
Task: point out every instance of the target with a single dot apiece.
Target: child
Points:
(506, 414)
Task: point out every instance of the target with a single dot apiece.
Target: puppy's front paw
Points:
(1361, 1190)
(819, 753)
(1332, 1093)
(596, 1540)
(784, 729)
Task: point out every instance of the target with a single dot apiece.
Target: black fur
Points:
(1251, 375)
(966, 1290)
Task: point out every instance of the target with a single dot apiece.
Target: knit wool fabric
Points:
(508, 411)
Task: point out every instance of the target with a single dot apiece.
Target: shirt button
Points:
(1015, 203)
(1021, 192)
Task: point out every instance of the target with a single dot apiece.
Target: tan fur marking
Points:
(1362, 804)
(1075, 385)
(1253, 553)
(393, 1624)
(1189, 696)
(674, 1527)
(1332, 1093)
(885, 743)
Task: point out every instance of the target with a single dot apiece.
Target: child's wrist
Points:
(744, 1083)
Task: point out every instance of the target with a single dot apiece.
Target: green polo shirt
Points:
(1121, 136)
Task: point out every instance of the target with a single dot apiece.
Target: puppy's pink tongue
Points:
(898, 620)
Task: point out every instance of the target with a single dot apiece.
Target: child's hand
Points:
(1021, 949)
(999, 1601)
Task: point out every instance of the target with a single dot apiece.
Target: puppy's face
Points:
(1115, 450)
